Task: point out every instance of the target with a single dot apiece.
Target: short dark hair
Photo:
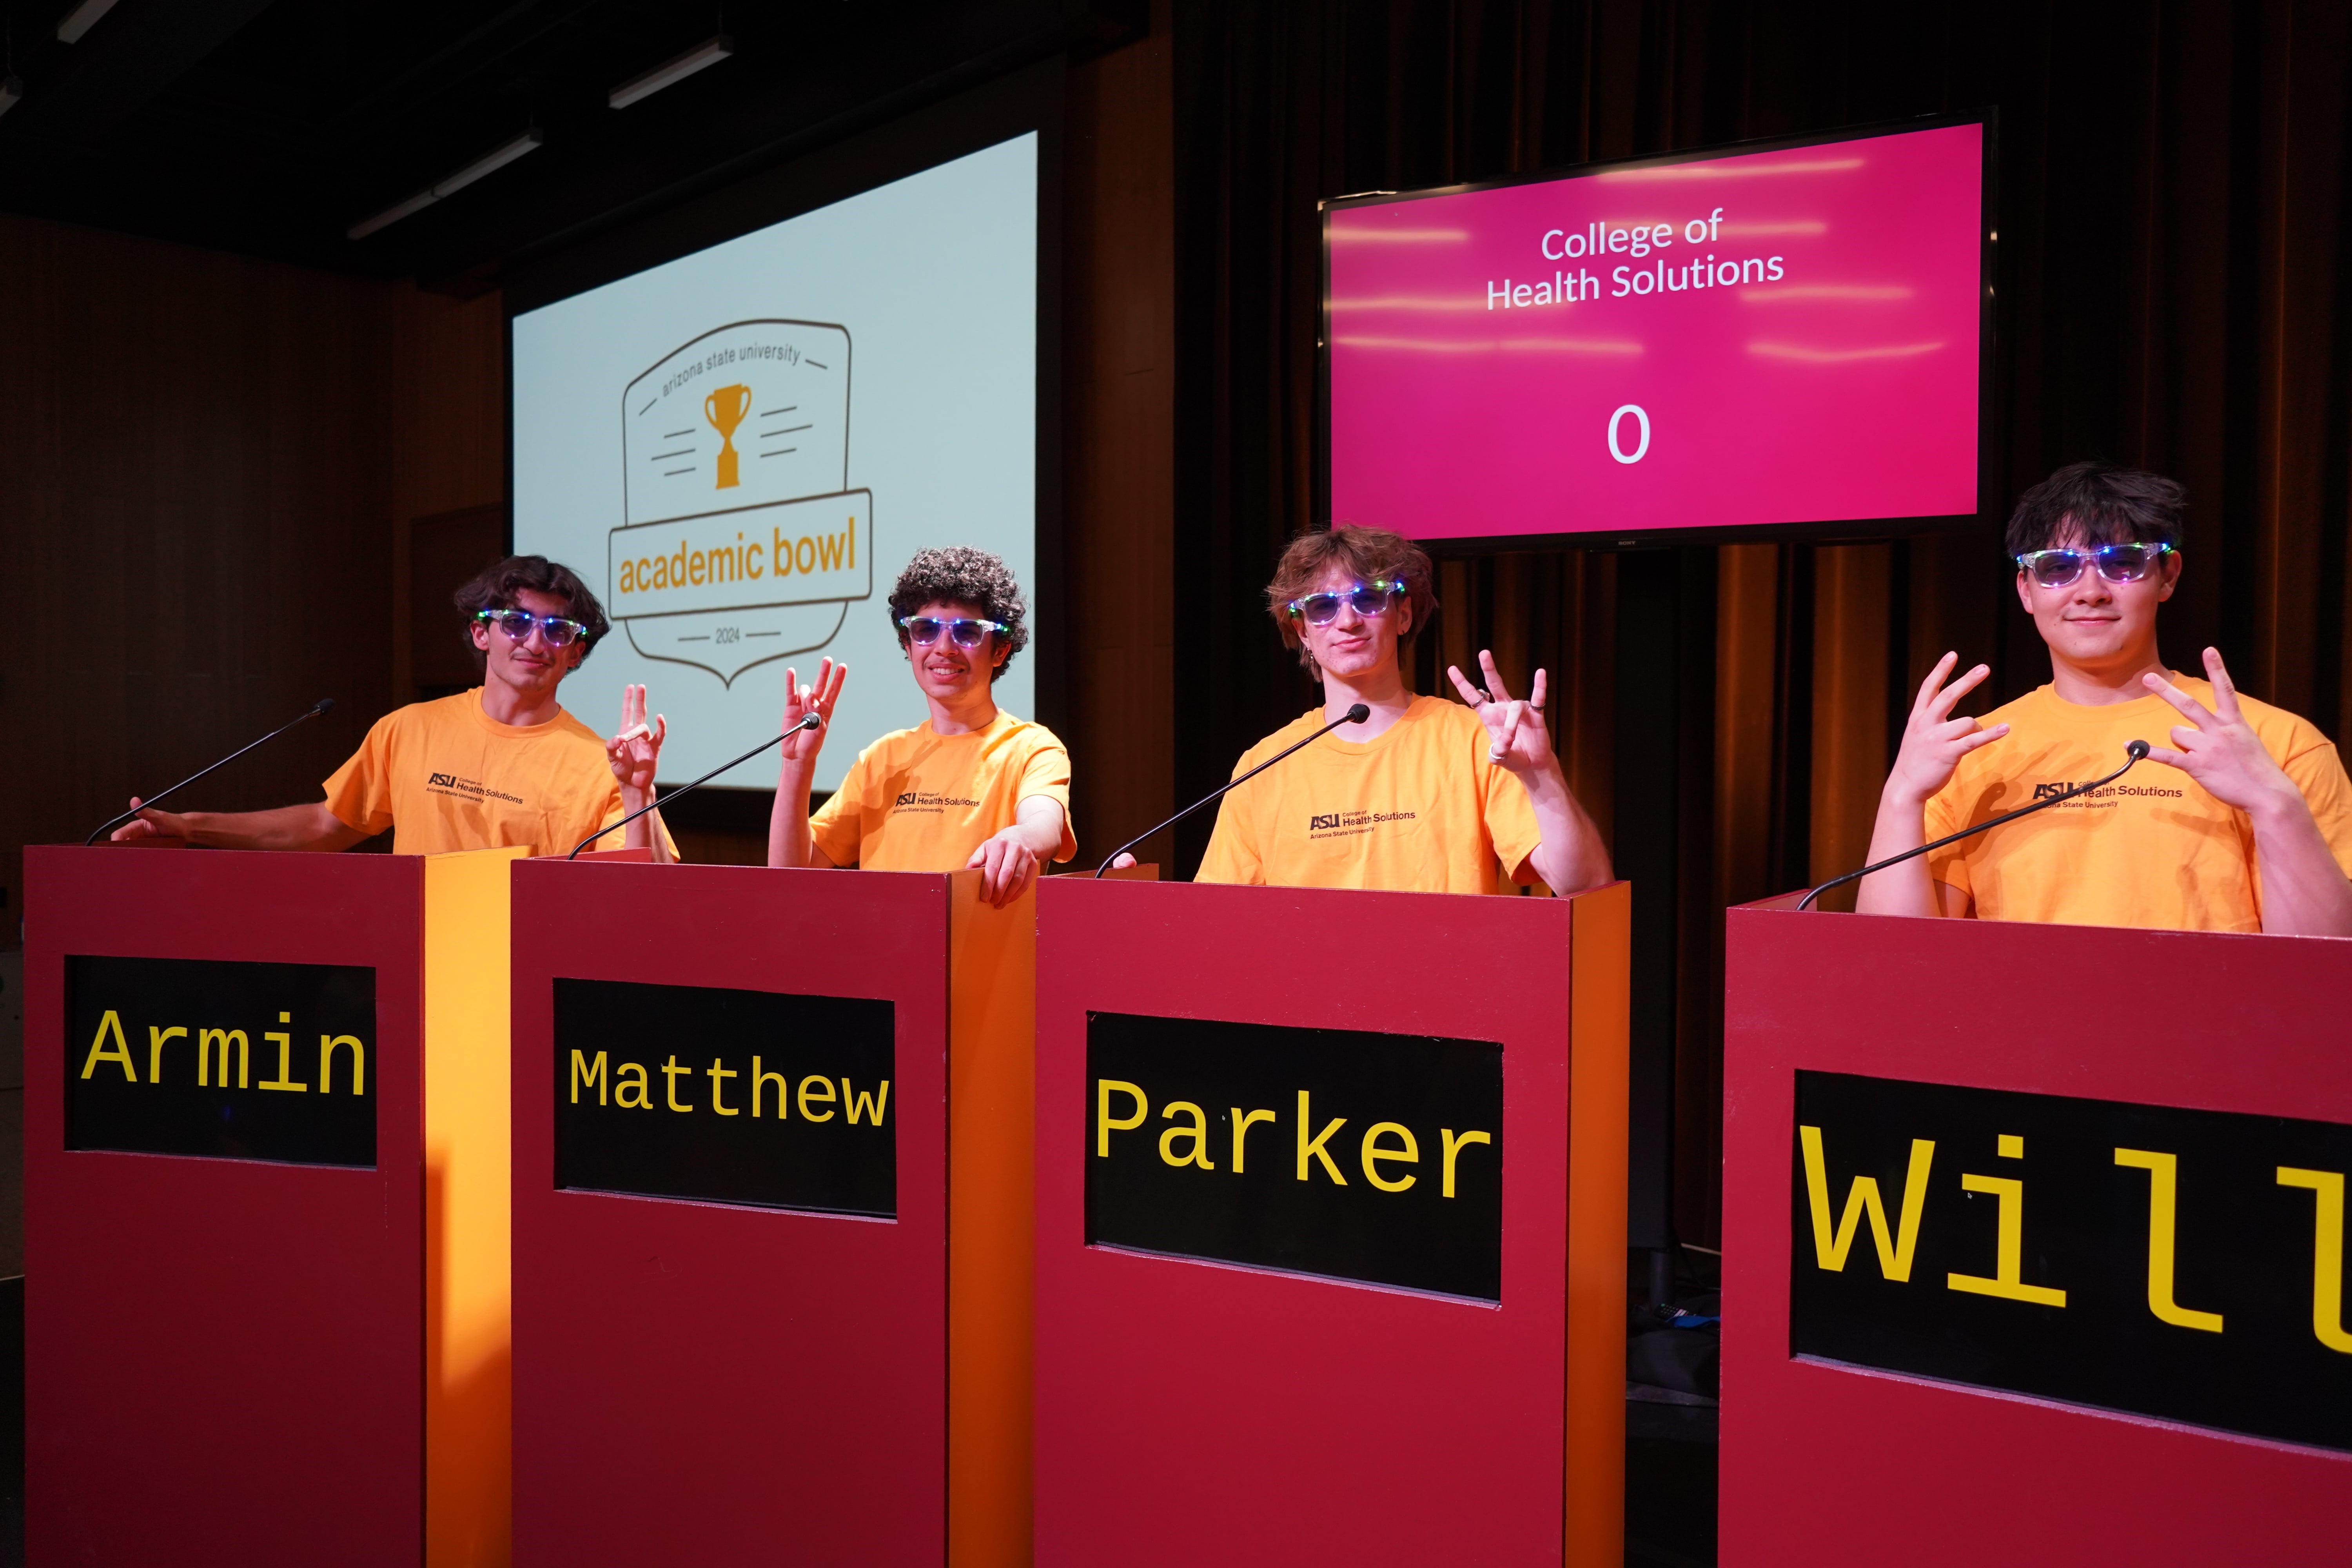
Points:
(1366, 555)
(959, 574)
(495, 587)
(2102, 503)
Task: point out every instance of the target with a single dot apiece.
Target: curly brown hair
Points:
(495, 587)
(959, 574)
(1367, 554)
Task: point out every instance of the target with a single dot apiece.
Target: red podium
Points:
(1330, 1252)
(772, 1217)
(2033, 1243)
(255, 1209)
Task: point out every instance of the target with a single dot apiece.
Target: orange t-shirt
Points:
(1419, 808)
(2153, 850)
(917, 800)
(445, 775)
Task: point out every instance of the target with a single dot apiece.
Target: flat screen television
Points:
(1784, 337)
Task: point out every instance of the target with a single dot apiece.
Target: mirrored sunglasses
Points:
(924, 630)
(1368, 599)
(516, 625)
(2117, 562)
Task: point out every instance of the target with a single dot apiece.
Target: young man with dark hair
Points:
(500, 765)
(1425, 795)
(2250, 831)
(971, 785)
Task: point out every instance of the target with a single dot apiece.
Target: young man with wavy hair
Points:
(972, 786)
(1425, 795)
(500, 765)
(2249, 830)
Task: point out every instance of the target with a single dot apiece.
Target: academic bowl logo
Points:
(740, 541)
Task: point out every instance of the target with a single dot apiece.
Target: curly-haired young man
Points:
(500, 765)
(2250, 831)
(971, 785)
(1425, 795)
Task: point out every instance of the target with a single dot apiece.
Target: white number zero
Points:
(1616, 421)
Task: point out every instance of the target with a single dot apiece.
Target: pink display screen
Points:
(1781, 337)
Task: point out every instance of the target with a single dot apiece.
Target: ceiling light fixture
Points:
(489, 162)
(708, 53)
(82, 18)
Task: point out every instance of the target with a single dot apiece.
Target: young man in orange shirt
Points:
(2251, 830)
(971, 785)
(502, 764)
(1425, 795)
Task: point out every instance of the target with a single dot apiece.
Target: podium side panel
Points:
(468, 1290)
(1190, 1409)
(711, 1382)
(223, 1356)
(1601, 961)
(991, 1123)
(1828, 1464)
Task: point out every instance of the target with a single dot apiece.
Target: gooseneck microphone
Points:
(2132, 753)
(1355, 715)
(324, 705)
(809, 720)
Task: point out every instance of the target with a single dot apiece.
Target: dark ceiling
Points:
(272, 127)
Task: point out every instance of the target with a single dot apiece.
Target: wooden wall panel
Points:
(444, 379)
(1119, 336)
(444, 550)
(209, 464)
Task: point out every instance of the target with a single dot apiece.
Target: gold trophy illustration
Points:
(724, 409)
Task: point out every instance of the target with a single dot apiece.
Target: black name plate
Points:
(221, 1060)
(2181, 1264)
(1336, 1152)
(724, 1096)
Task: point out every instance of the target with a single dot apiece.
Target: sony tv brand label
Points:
(2186, 1264)
(725, 1096)
(1366, 1157)
(221, 1060)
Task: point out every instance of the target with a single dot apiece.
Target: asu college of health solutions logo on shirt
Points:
(467, 789)
(930, 801)
(2111, 797)
(740, 541)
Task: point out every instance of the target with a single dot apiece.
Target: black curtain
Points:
(2172, 209)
